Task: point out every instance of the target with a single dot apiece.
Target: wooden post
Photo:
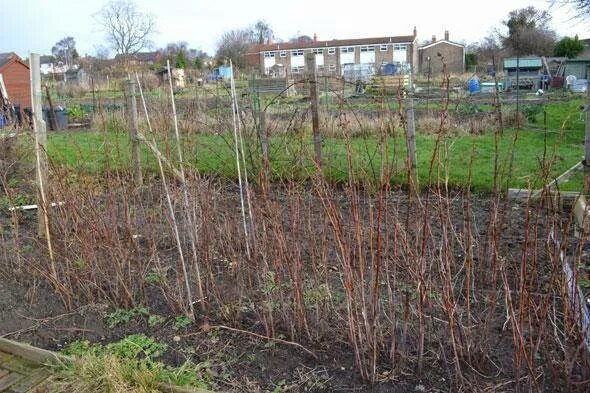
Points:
(411, 141)
(264, 143)
(313, 96)
(93, 95)
(40, 137)
(51, 115)
(40, 131)
(132, 110)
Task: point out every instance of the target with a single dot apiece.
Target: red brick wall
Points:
(18, 85)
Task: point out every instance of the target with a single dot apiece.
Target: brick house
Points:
(17, 79)
(332, 55)
(431, 55)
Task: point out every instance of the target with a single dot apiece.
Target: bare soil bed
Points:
(515, 235)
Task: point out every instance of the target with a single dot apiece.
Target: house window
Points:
(269, 54)
(367, 49)
(400, 47)
(297, 52)
(348, 49)
(318, 51)
(332, 67)
(331, 51)
(283, 53)
(383, 47)
(297, 69)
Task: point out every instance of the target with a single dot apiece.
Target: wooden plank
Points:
(19, 365)
(27, 352)
(4, 357)
(36, 378)
(9, 380)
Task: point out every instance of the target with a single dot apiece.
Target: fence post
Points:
(310, 67)
(132, 110)
(40, 154)
(40, 129)
(411, 141)
(264, 143)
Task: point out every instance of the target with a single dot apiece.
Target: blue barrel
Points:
(473, 86)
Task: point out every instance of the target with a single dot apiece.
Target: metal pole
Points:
(132, 110)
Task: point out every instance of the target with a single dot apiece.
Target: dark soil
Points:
(30, 311)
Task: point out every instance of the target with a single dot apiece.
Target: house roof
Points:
(441, 42)
(330, 43)
(9, 57)
(577, 61)
(523, 62)
(6, 57)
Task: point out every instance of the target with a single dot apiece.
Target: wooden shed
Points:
(16, 76)
(580, 68)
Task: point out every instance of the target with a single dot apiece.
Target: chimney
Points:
(315, 37)
(415, 32)
(446, 35)
(433, 39)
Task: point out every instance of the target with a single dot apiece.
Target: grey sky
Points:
(36, 25)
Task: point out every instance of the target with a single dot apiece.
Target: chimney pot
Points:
(446, 35)
(415, 32)
(433, 39)
(315, 37)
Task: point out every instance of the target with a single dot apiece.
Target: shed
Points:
(178, 79)
(528, 71)
(16, 75)
(578, 68)
(77, 76)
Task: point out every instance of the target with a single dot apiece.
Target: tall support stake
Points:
(587, 138)
(134, 132)
(40, 130)
(411, 141)
(310, 66)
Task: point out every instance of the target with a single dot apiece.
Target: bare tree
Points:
(127, 28)
(529, 32)
(234, 45)
(262, 32)
(65, 50)
(580, 8)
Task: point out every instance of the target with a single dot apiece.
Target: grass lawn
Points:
(562, 146)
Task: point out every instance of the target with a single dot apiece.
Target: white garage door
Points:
(297, 59)
(269, 60)
(399, 53)
(367, 54)
(319, 57)
(347, 55)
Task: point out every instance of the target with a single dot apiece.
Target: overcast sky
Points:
(36, 25)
